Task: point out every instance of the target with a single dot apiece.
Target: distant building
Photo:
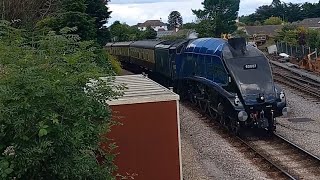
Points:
(157, 25)
(312, 23)
(269, 30)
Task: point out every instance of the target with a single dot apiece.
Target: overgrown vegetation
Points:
(295, 35)
(50, 120)
(52, 100)
(88, 16)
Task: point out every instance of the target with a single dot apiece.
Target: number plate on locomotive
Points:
(250, 66)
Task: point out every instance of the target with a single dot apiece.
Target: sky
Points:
(138, 11)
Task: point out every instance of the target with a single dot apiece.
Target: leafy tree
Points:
(273, 21)
(150, 33)
(290, 12)
(189, 26)
(51, 121)
(310, 10)
(123, 32)
(175, 20)
(27, 13)
(88, 16)
(313, 38)
(98, 10)
(218, 16)
(119, 32)
(72, 14)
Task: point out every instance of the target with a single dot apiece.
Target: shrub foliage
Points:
(50, 119)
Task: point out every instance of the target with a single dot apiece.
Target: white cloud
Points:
(133, 12)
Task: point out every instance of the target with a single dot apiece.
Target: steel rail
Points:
(301, 87)
(317, 158)
(282, 170)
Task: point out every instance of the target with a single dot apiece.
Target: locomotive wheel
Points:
(221, 114)
(203, 104)
(192, 98)
(222, 120)
(271, 129)
(212, 113)
(235, 127)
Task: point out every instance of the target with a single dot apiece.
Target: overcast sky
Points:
(135, 11)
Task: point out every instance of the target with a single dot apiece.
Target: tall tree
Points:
(98, 10)
(217, 17)
(175, 20)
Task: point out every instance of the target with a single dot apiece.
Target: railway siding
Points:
(297, 71)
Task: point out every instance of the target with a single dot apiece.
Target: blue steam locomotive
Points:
(228, 79)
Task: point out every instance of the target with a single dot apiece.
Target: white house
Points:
(157, 25)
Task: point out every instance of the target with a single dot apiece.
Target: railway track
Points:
(296, 81)
(289, 158)
(276, 156)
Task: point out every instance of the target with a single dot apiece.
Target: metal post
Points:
(302, 50)
(291, 50)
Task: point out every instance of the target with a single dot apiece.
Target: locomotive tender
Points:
(228, 79)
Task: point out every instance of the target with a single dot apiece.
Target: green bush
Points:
(51, 121)
(115, 64)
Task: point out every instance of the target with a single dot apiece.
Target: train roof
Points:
(216, 46)
(145, 44)
(171, 44)
(122, 43)
(208, 46)
(109, 44)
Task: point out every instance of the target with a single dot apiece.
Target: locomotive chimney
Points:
(238, 44)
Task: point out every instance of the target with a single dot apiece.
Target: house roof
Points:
(309, 23)
(270, 30)
(151, 23)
